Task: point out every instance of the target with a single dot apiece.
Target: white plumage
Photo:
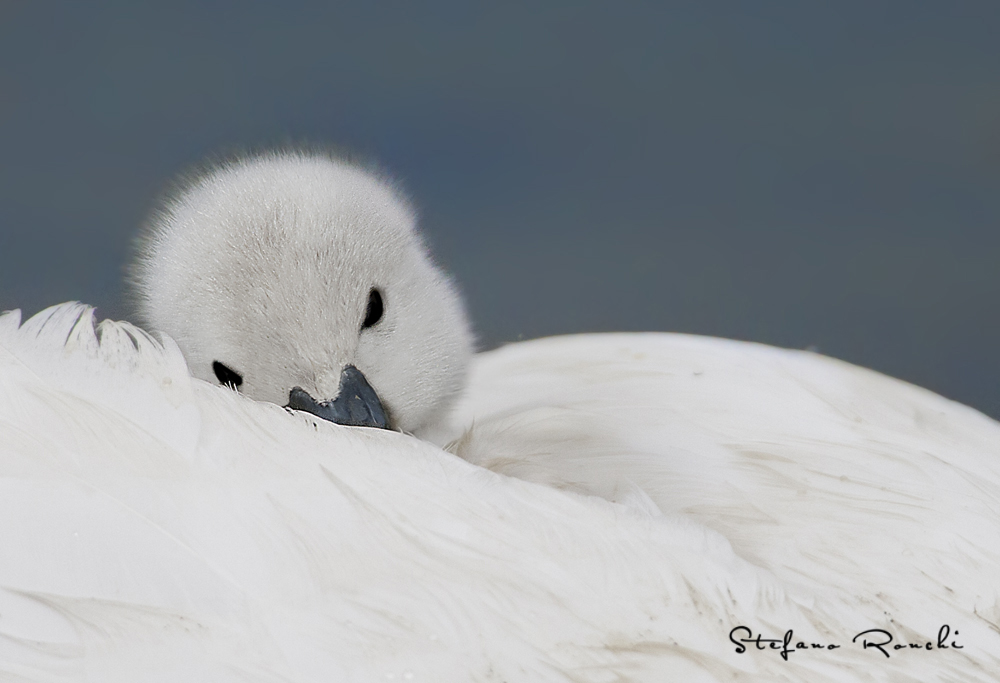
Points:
(154, 526)
(266, 265)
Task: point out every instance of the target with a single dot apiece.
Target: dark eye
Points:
(375, 308)
(227, 376)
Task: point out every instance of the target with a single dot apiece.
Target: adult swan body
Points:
(634, 507)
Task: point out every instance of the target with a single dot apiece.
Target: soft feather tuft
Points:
(265, 264)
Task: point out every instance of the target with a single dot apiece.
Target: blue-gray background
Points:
(790, 173)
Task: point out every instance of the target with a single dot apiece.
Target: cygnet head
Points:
(300, 279)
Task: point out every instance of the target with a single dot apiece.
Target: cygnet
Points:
(300, 279)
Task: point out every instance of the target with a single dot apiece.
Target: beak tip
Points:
(356, 404)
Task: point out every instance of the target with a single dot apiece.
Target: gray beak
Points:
(357, 404)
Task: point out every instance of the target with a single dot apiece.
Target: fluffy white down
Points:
(265, 264)
(158, 528)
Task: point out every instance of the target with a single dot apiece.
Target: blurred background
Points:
(789, 173)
